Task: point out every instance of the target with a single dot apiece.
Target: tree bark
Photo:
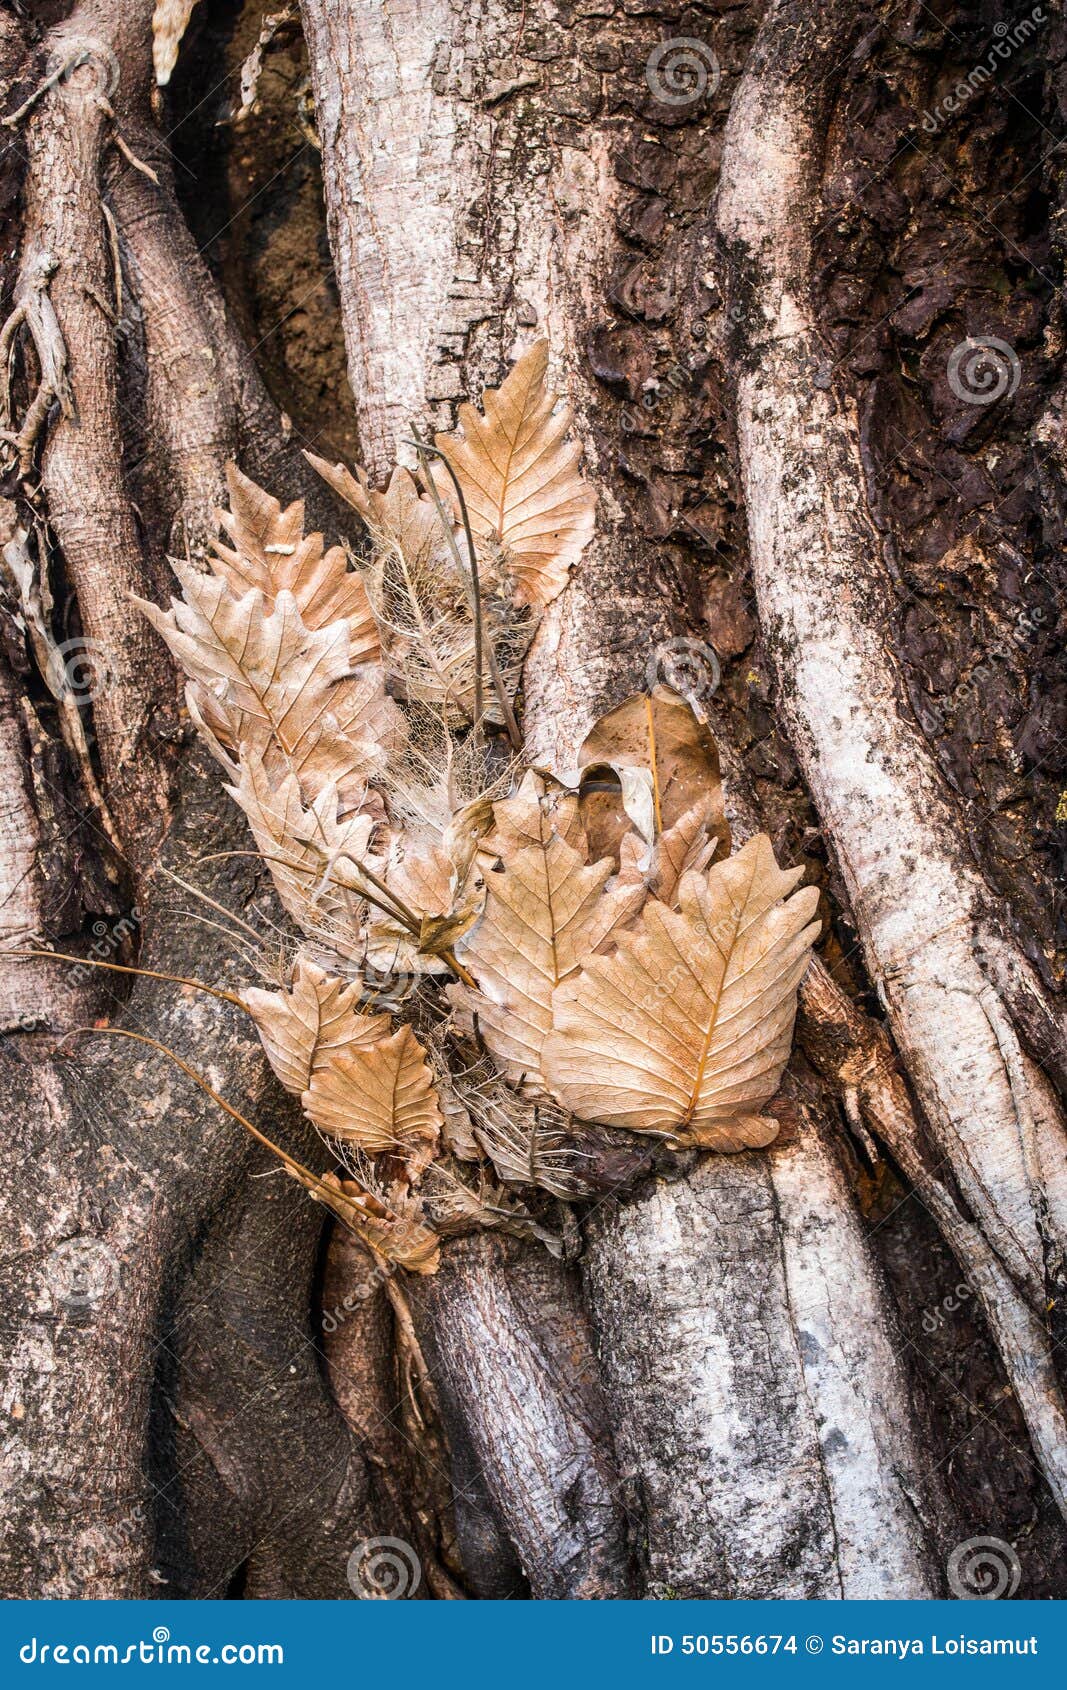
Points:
(734, 1390)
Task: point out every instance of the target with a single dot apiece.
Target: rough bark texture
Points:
(748, 1385)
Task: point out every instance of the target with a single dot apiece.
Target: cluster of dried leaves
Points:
(492, 953)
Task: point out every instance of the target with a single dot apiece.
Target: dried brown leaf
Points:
(267, 682)
(306, 1027)
(520, 479)
(394, 1230)
(685, 1029)
(381, 1098)
(269, 551)
(313, 854)
(661, 733)
(545, 913)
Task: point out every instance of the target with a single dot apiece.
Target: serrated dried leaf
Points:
(545, 913)
(305, 1028)
(380, 1097)
(659, 732)
(313, 854)
(685, 1029)
(400, 518)
(520, 479)
(270, 551)
(267, 682)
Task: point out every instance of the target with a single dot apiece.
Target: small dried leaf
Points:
(400, 519)
(685, 1029)
(520, 479)
(380, 1097)
(305, 1028)
(682, 849)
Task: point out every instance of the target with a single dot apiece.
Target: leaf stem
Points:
(146, 973)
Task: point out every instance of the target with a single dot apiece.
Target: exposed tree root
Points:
(922, 910)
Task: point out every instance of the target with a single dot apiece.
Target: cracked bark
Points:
(723, 1396)
(931, 938)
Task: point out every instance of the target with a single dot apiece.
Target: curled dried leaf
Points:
(662, 734)
(395, 1230)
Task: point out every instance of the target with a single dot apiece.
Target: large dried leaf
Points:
(381, 1098)
(545, 913)
(306, 1027)
(270, 551)
(269, 683)
(520, 479)
(662, 734)
(685, 1029)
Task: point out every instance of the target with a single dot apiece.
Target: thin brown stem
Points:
(119, 968)
(311, 1182)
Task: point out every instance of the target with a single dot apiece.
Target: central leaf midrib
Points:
(713, 1021)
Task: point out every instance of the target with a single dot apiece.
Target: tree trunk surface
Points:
(750, 236)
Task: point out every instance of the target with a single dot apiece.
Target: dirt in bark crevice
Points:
(941, 304)
(251, 189)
